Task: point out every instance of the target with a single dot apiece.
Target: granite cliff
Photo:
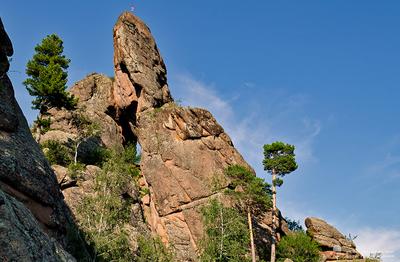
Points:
(35, 223)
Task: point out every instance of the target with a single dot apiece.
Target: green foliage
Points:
(227, 236)
(152, 249)
(144, 191)
(103, 216)
(43, 124)
(48, 76)
(75, 170)
(98, 156)
(299, 247)
(277, 182)
(279, 157)
(85, 127)
(250, 191)
(294, 225)
(130, 154)
(56, 153)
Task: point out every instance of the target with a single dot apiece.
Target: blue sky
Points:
(323, 75)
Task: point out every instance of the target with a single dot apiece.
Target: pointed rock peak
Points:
(140, 73)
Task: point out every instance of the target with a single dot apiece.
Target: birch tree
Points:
(253, 196)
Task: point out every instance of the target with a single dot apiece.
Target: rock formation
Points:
(184, 150)
(334, 245)
(35, 223)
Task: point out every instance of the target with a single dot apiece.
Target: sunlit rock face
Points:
(334, 245)
(184, 150)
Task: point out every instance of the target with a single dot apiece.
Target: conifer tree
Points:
(279, 160)
(47, 76)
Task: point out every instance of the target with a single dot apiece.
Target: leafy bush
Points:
(96, 156)
(103, 216)
(75, 170)
(152, 249)
(43, 124)
(299, 247)
(56, 153)
(130, 154)
(227, 236)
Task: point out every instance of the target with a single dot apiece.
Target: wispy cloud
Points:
(252, 122)
(385, 241)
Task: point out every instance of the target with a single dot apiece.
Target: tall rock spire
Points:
(140, 71)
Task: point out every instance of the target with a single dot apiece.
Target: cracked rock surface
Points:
(34, 219)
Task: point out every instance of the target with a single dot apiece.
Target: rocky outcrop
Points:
(184, 150)
(334, 245)
(35, 223)
(94, 94)
(184, 153)
(140, 73)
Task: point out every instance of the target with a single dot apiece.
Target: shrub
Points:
(56, 153)
(104, 214)
(43, 124)
(299, 247)
(152, 249)
(130, 154)
(96, 156)
(75, 170)
(227, 236)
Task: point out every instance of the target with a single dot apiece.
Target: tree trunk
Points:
(253, 250)
(222, 234)
(39, 134)
(273, 228)
(76, 152)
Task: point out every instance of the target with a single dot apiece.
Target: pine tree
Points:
(279, 160)
(47, 76)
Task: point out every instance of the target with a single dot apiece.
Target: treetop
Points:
(279, 157)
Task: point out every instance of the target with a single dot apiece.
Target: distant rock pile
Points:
(334, 245)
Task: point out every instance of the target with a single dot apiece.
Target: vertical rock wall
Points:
(34, 221)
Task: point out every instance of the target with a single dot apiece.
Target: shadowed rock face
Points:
(33, 216)
(333, 243)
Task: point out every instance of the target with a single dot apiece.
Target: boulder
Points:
(334, 245)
